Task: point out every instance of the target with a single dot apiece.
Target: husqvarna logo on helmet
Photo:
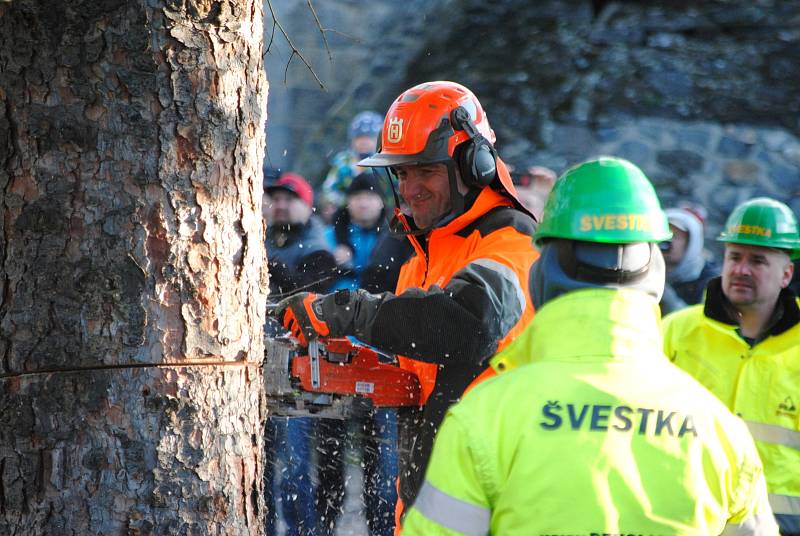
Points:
(395, 130)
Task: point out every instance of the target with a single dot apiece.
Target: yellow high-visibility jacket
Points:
(599, 434)
(759, 383)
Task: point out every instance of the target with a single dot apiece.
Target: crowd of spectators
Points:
(339, 237)
(345, 240)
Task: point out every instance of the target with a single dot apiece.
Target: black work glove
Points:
(308, 316)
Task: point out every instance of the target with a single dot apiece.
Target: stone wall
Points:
(703, 96)
(370, 44)
(715, 165)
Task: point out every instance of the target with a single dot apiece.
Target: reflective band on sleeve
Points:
(785, 504)
(507, 274)
(756, 525)
(452, 513)
(778, 435)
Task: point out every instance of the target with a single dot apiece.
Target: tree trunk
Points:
(132, 291)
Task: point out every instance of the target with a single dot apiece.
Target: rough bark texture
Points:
(131, 253)
(173, 450)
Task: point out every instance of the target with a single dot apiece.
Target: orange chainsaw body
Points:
(338, 366)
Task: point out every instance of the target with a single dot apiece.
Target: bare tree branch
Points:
(271, 38)
(295, 50)
(321, 30)
(346, 36)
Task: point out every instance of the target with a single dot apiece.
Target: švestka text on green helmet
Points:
(763, 222)
(606, 200)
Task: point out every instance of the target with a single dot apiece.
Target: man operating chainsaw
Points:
(464, 293)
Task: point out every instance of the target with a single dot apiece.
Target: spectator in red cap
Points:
(291, 187)
(297, 250)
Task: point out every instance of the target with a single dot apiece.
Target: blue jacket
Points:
(360, 240)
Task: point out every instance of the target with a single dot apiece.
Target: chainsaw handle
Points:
(383, 357)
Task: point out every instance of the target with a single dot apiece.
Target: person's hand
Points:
(309, 316)
(299, 316)
(342, 254)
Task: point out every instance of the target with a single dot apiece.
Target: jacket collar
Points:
(785, 315)
(588, 325)
(487, 199)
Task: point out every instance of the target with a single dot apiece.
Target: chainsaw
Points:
(333, 378)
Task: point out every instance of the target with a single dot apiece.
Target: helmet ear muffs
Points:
(476, 158)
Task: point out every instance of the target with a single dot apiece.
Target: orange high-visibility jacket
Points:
(460, 299)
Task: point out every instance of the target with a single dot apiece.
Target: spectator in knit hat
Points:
(357, 227)
(689, 266)
(362, 137)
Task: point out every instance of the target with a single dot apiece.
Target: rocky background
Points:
(704, 96)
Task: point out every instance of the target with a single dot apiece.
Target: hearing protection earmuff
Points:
(476, 158)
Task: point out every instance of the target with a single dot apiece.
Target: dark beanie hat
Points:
(365, 182)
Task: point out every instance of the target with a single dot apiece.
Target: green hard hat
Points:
(763, 222)
(606, 200)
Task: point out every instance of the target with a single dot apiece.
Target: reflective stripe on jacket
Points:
(599, 433)
(760, 383)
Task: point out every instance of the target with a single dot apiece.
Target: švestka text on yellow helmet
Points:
(763, 222)
(607, 200)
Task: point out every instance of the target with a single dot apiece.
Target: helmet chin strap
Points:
(399, 225)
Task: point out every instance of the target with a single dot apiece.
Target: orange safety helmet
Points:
(425, 125)
(417, 127)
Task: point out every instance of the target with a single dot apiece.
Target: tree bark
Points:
(132, 283)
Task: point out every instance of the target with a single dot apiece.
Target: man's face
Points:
(753, 276)
(680, 239)
(287, 208)
(364, 145)
(364, 208)
(426, 190)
